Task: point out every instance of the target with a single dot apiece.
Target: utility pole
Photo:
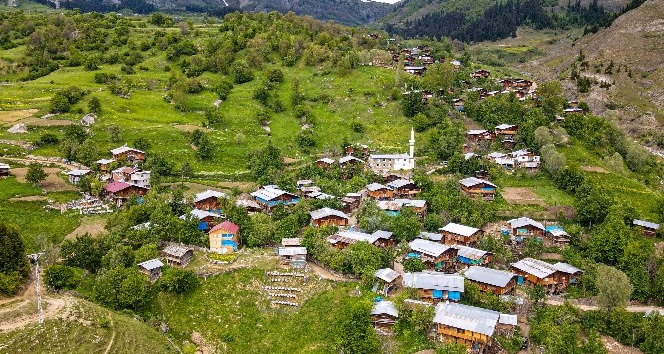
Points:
(35, 259)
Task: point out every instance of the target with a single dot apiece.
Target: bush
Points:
(241, 72)
(48, 139)
(61, 277)
(413, 264)
(275, 75)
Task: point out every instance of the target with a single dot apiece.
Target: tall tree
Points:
(613, 287)
(35, 174)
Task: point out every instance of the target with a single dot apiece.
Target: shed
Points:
(649, 228)
(383, 315)
(434, 286)
(457, 234)
(328, 216)
(76, 175)
(151, 268)
(178, 256)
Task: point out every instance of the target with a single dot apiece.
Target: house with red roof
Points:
(120, 191)
(224, 238)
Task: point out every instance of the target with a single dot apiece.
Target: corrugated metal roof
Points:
(495, 155)
(105, 161)
(415, 203)
(567, 268)
(78, 172)
(524, 221)
(326, 160)
(430, 236)
(151, 264)
(477, 131)
(488, 276)
(349, 158)
(433, 281)
(505, 126)
(535, 267)
(647, 224)
(459, 229)
(511, 320)
(292, 241)
(385, 308)
(386, 274)
(390, 156)
(472, 181)
(470, 252)
(267, 193)
(351, 237)
(383, 234)
(208, 194)
(431, 248)
(466, 317)
(292, 251)
(399, 183)
(201, 214)
(375, 186)
(325, 212)
(123, 149)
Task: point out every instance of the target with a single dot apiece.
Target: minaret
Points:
(412, 142)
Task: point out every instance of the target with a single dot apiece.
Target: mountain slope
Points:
(635, 44)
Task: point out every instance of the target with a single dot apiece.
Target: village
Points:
(435, 266)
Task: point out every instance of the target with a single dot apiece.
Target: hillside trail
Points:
(46, 161)
(324, 273)
(112, 341)
(629, 308)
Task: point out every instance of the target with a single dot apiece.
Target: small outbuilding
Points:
(388, 277)
(4, 170)
(649, 228)
(328, 216)
(178, 256)
(383, 316)
(151, 268)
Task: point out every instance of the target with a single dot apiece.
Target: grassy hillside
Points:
(84, 327)
(335, 99)
(633, 43)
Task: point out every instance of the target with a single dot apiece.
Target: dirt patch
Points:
(48, 122)
(13, 116)
(614, 347)
(288, 160)
(551, 256)
(243, 186)
(522, 195)
(93, 226)
(52, 183)
(594, 169)
(189, 127)
(32, 198)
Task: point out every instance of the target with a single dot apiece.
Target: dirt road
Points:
(630, 308)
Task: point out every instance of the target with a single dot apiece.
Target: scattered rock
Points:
(18, 128)
(267, 129)
(50, 115)
(217, 103)
(88, 119)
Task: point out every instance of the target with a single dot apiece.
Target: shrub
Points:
(61, 277)
(178, 281)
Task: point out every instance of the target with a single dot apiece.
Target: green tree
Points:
(205, 150)
(87, 153)
(118, 256)
(413, 264)
(613, 287)
(550, 98)
(411, 104)
(371, 218)
(406, 226)
(13, 263)
(145, 253)
(265, 163)
(354, 331)
(83, 252)
(241, 72)
(114, 133)
(591, 204)
(123, 288)
(35, 174)
(262, 231)
(178, 281)
(61, 277)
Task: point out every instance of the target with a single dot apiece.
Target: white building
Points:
(141, 178)
(394, 162)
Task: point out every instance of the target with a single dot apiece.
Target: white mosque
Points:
(394, 162)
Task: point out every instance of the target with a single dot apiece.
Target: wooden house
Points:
(434, 287)
(480, 74)
(122, 174)
(351, 202)
(268, 197)
(224, 238)
(492, 280)
(350, 160)
(388, 279)
(482, 174)
(328, 216)
(151, 268)
(206, 219)
(649, 228)
(130, 154)
(506, 130)
(403, 188)
(383, 316)
(555, 278)
(178, 256)
(379, 192)
(479, 135)
(343, 239)
(415, 70)
(293, 256)
(508, 143)
(459, 104)
(325, 162)
(477, 188)
(525, 227)
(250, 205)
(467, 325)
(104, 165)
(570, 271)
(209, 200)
(469, 256)
(120, 191)
(433, 254)
(4, 170)
(457, 234)
(74, 176)
(557, 235)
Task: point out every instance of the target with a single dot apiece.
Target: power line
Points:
(35, 258)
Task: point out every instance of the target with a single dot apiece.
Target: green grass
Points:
(33, 221)
(87, 330)
(541, 185)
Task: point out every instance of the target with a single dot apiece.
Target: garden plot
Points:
(7, 117)
(522, 195)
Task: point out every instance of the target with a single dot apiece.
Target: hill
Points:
(630, 55)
